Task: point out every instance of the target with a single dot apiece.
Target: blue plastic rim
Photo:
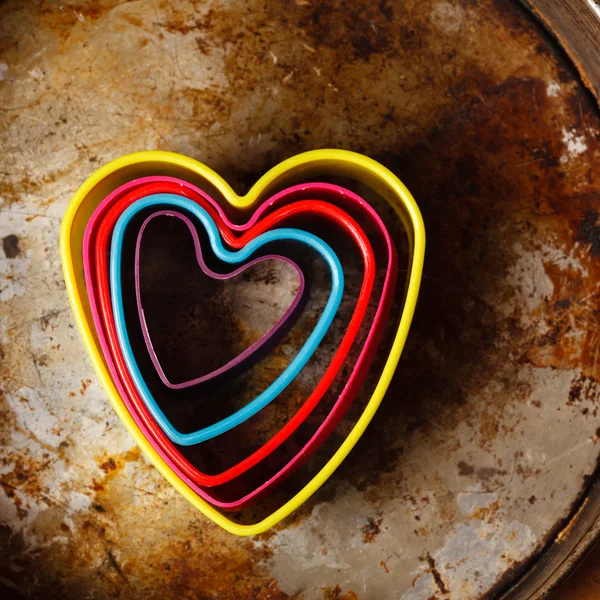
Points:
(162, 201)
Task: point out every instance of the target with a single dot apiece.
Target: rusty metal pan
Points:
(478, 478)
(575, 24)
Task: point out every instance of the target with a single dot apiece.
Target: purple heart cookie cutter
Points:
(250, 355)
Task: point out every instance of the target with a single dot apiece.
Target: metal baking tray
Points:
(478, 477)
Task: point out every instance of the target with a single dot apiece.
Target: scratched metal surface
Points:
(488, 436)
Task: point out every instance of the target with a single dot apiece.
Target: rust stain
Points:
(112, 463)
(565, 530)
(335, 593)
(527, 471)
(583, 389)
(113, 467)
(439, 582)
(179, 25)
(61, 18)
(13, 191)
(486, 513)
(84, 386)
(24, 477)
(482, 473)
(133, 20)
(589, 231)
(371, 530)
(108, 465)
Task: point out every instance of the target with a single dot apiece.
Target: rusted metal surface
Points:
(487, 440)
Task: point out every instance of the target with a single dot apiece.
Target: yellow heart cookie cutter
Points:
(303, 166)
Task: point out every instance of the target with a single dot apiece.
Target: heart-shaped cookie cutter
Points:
(252, 353)
(311, 207)
(303, 166)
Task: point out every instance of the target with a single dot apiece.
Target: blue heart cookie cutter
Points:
(232, 257)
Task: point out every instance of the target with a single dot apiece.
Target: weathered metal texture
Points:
(576, 25)
(489, 435)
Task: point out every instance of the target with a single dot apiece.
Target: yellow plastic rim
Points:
(303, 166)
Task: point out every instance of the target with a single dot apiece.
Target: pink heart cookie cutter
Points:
(250, 355)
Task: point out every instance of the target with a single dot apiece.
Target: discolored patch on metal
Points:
(10, 245)
(489, 432)
(336, 593)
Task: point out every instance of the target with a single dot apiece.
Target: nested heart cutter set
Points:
(102, 250)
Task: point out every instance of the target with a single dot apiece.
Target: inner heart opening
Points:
(197, 324)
